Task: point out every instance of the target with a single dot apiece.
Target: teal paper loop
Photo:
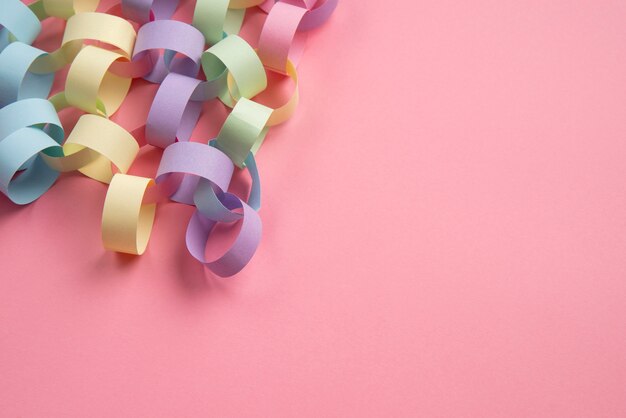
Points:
(18, 20)
(21, 150)
(16, 81)
(31, 113)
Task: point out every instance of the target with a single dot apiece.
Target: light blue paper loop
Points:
(31, 112)
(18, 20)
(16, 150)
(16, 81)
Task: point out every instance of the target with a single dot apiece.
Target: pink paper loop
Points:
(278, 41)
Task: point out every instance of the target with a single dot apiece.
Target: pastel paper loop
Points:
(193, 160)
(213, 18)
(241, 251)
(17, 21)
(243, 65)
(17, 82)
(27, 128)
(31, 113)
(142, 11)
(173, 115)
(126, 220)
(278, 40)
(20, 151)
(244, 130)
(95, 147)
(182, 44)
(91, 87)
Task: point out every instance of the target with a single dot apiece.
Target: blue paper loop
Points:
(16, 81)
(18, 20)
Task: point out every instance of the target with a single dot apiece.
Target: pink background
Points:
(444, 235)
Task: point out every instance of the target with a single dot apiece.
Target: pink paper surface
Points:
(476, 266)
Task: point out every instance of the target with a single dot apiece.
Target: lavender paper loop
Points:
(172, 115)
(173, 37)
(239, 254)
(196, 161)
(139, 10)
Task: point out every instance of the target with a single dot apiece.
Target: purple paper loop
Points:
(173, 115)
(175, 38)
(194, 160)
(241, 251)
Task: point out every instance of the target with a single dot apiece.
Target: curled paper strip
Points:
(126, 220)
(18, 82)
(106, 29)
(213, 18)
(18, 21)
(91, 87)
(278, 41)
(104, 54)
(183, 44)
(173, 115)
(21, 142)
(243, 65)
(244, 130)
(94, 146)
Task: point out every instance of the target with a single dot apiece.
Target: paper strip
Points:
(16, 81)
(18, 20)
(243, 64)
(278, 41)
(91, 87)
(126, 220)
(244, 130)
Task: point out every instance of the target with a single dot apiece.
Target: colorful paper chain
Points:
(104, 53)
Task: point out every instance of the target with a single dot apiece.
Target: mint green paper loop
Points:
(31, 112)
(244, 130)
(16, 152)
(213, 18)
(242, 62)
(18, 20)
(208, 18)
(16, 81)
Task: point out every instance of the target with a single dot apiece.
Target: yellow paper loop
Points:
(102, 27)
(93, 146)
(126, 221)
(90, 85)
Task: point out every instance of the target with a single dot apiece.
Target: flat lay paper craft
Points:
(104, 50)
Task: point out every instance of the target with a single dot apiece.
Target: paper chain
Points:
(34, 148)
